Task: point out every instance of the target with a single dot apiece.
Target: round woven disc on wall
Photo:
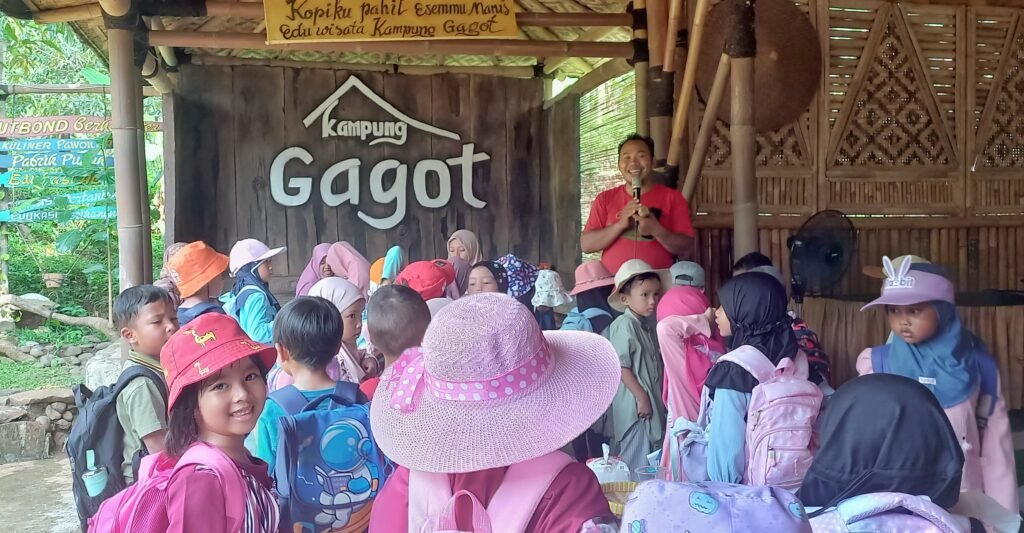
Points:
(787, 69)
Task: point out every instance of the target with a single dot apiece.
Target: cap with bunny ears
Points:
(904, 286)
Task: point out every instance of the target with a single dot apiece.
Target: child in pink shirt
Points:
(476, 419)
(215, 375)
(932, 347)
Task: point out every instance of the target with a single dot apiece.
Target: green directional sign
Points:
(89, 197)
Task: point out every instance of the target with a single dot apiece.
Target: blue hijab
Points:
(394, 262)
(948, 358)
(248, 276)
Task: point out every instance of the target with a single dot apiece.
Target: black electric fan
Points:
(820, 253)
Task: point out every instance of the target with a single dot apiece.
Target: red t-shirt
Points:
(668, 205)
(369, 387)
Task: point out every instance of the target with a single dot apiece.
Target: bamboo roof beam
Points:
(419, 70)
(552, 64)
(489, 47)
(254, 10)
(75, 88)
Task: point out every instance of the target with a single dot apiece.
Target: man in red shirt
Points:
(656, 229)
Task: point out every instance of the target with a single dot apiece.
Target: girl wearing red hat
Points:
(215, 375)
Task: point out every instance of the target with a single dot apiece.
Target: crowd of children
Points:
(443, 395)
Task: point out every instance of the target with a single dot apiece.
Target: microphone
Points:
(636, 183)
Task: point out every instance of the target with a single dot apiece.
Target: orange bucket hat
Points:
(195, 266)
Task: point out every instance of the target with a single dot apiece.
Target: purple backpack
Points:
(886, 511)
(780, 419)
(658, 506)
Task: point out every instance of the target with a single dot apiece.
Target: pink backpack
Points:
(780, 419)
(880, 512)
(142, 507)
(432, 504)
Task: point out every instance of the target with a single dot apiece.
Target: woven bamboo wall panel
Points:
(990, 30)
(1003, 146)
(994, 195)
(775, 194)
(875, 196)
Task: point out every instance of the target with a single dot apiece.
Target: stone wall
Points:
(35, 424)
(74, 356)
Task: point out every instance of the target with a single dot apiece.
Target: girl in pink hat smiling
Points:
(476, 418)
(932, 347)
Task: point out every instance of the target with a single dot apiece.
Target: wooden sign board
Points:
(65, 125)
(35, 178)
(90, 197)
(52, 160)
(48, 145)
(85, 213)
(387, 20)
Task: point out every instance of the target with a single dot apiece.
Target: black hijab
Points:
(755, 304)
(597, 298)
(884, 433)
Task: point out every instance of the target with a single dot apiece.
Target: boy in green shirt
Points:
(146, 317)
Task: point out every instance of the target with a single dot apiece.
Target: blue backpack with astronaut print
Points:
(328, 467)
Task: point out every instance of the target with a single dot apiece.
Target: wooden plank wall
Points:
(230, 122)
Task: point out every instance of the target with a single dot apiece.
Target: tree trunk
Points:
(39, 308)
(12, 352)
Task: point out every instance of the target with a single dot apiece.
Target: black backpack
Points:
(98, 429)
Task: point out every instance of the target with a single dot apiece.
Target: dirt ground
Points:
(35, 496)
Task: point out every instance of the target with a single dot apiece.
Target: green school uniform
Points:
(636, 343)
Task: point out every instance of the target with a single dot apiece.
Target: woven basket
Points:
(617, 493)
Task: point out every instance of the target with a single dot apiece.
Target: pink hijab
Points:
(688, 345)
(347, 263)
(471, 242)
(311, 274)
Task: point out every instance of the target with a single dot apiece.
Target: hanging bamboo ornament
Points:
(686, 92)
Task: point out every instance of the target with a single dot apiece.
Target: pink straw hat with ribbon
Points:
(488, 389)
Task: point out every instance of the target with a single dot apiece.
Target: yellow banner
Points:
(387, 20)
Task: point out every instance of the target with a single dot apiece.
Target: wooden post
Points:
(640, 65)
(741, 46)
(124, 129)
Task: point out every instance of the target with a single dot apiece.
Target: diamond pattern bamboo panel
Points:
(1004, 147)
(891, 123)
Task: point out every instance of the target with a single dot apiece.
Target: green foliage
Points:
(55, 333)
(53, 54)
(25, 376)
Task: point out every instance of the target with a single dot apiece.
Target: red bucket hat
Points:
(429, 278)
(209, 343)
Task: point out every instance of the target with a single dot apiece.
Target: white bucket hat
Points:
(629, 270)
(248, 251)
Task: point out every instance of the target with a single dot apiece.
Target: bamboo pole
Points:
(675, 16)
(170, 58)
(124, 129)
(741, 46)
(660, 84)
(707, 127)
(490, 47)
(552, 64)
(254, 10)
(414, 70)
(144, 206)
(689, 79)
(640, 65)
(74, 88)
